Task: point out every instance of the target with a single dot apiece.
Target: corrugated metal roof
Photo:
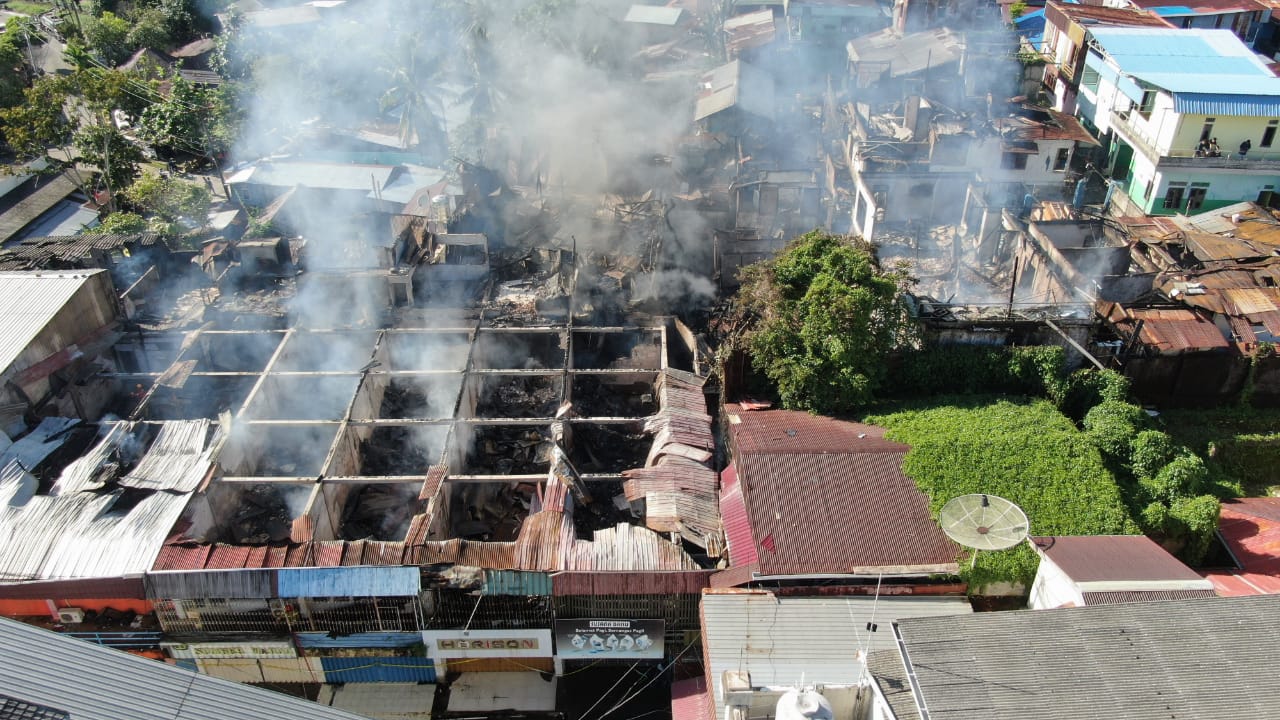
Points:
(223, 584)
(130, 587)
(1251, 529)
(840, 513)
(30, 300)
(691, 582)
(1170, 331)
(1115, 558)
(27, 210)
(793, 432)
(387, 581)
(904, 55)
(38, 444)
(96, 683)
(1213, 657)
(737, 524)
(784, 640)
(516, 582)
(735, 84)
(691, 701)
(378, 669)
(1208, 63)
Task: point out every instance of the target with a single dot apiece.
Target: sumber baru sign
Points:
(228, 651)
(446, 644)
(601, 639)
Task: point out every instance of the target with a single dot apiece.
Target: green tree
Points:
(113, 154)
(822, 319)
(108, 36)
(416, 91)
(40, 121)
(121, 223)
(180, 205)
(150, 30)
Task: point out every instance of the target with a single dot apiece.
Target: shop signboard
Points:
(601, 639)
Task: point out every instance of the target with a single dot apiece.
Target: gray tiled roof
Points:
(1177, 659)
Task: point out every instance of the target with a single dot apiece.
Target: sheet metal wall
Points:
(384, 669)
(358, 640)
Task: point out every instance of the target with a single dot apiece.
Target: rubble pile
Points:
(405, 400)
(509, 451)
(596, 399)
(392, 451)
(521, 397)
(607, 449)
(607, 509)
(261, 517)
(378, 512)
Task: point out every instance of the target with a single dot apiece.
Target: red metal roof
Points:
(1170, 331)
(737, 525)
(1251, 529)
(690, 700)
(791, 431)
(840, 513)
(1113, 558)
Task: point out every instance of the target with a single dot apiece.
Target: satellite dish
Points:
(984, 522)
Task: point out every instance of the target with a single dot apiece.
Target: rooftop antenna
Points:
(983, 522)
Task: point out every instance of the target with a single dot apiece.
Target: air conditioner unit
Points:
(70, 615)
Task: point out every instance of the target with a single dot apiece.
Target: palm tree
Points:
(417, 91)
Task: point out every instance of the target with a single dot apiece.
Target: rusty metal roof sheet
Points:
(690, 699)
(1169, 331)
(678, 582)
(846, 512)
(1114, 559)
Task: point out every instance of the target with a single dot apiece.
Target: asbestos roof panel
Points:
(906, 54)
(653, 15)
(840, 513)
(29, 209)
(91, 682)
(1113, 558)
(329, 176)
(1211, 657)
(890, 677)
(29, 301)
(783, 641)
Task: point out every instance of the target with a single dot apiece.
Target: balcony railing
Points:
(1257, 159)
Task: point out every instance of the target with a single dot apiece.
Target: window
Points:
(1014, 161)
(1266, 195)
(1269, 135)
(1148, 103)
(1206, 132)
(1089, 79)
(1196, 199)
(1060, 162)
(1146, 194)
(1173, 196)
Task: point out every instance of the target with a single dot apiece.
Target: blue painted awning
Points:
(375, 581)
(1226, 104)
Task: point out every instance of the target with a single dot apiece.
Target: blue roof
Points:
(1173, 10)
(1031, 26)
(1201, 62)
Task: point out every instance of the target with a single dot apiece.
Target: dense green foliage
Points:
(1027, 452)
(824, 318)
(977, 369)
(1240, 446)
(177, 205)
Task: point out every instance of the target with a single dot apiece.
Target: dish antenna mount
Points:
(983, 522)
